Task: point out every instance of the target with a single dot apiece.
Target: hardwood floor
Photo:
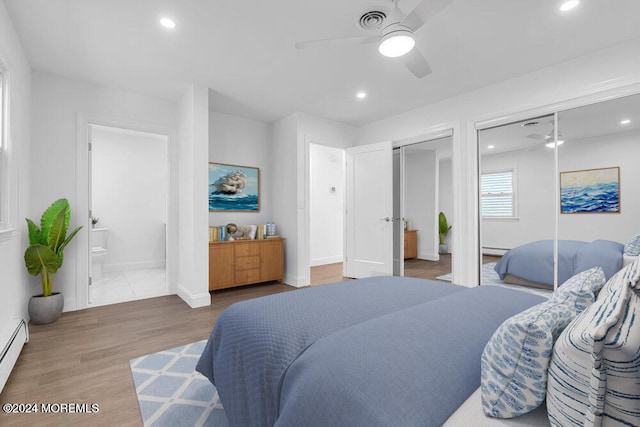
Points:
(424, 269)
(84, 356)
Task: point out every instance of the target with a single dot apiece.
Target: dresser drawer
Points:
(246, 249)
(248, 276)
(247, 262)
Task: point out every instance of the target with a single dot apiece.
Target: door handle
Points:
(386, 218)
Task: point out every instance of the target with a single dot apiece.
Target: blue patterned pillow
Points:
(595, 368)
(582, 289)
(516, 359)
(632, 247)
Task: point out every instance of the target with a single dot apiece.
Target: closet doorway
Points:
(128, 200)
(423, 187)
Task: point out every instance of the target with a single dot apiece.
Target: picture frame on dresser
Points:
(234, 188)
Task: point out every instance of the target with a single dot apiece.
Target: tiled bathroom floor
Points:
(124, 286)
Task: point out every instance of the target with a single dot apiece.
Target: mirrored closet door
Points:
(599, 178)
(558, 194)
(423, 186)
(517, 202)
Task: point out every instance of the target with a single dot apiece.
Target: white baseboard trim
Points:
(138, 265)
(70, 304)
(494, 251)
(429, 256)
(296, 281)
(326, 260)
(194, 301)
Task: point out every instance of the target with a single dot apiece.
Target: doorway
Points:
(326, 219)
(128, 200)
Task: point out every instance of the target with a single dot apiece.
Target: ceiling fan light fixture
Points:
(396, 41)
(568, 5)
(553, 144)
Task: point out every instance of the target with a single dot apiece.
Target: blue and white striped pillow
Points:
(515, 361)
(594, 374)
(632, 247)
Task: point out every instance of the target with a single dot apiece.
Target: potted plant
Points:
(44, 257)
(443, 229)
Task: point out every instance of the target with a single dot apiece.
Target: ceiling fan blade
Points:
(538, 137)
(423, 12)
(329, 42)
(417, 63)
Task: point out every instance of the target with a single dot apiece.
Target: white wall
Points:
(623, 150)
(284, 161)
(326, 204)
(420, 198)
(244, 142)
(573, 82)
(536, 192)
(290, 164)
(56, 159)
(535, 199)
(130, 180)
(193, 130)
(17, 285)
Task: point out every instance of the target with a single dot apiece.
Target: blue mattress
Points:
(534, 261)
(377, 351)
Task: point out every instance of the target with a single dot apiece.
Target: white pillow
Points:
(515, 361)
(595, 367)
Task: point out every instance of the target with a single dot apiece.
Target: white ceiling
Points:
(575, 125)
(244, 49)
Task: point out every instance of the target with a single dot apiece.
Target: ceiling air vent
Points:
(371, 18)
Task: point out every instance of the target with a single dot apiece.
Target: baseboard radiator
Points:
(11, 341)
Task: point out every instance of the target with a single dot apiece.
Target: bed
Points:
(370, 352)
(531, 264)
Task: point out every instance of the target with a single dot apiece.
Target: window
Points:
(4, 161)
(3, 165)
(498, 194)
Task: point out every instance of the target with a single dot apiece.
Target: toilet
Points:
(98, 252)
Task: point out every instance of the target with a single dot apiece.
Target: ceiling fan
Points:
(396, 36)
(549, 138)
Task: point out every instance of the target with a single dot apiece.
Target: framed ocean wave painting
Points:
(234, 188)
(590, 191)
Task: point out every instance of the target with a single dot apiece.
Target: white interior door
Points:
(369, 225)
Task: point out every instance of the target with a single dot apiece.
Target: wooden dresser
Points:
(243, 262)
(410, 244)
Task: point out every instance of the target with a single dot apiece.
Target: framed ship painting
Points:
(234, 188)
(590, 191)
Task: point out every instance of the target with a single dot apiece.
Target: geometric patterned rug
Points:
(170, 391)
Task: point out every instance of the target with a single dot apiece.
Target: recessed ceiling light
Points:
(361, 95)
(568, 5)
(168, 23)
(490, 147)
(625, 122)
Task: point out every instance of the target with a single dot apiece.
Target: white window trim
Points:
(514, 175)
(8, 190)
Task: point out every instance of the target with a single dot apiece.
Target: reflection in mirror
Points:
(599, 174)
(517, 204)
(426, 189)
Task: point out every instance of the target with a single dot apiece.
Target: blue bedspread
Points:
(254, 351)
(534, 261)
